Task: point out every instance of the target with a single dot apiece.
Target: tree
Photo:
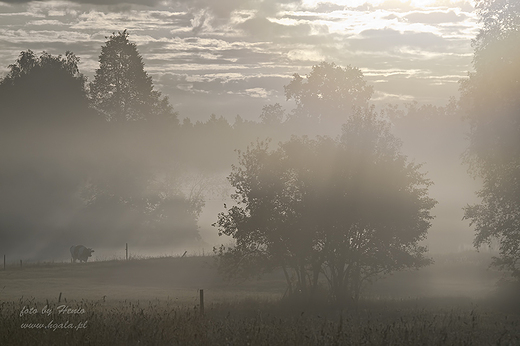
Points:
(46, 149)
(272, 115)
(347, 210)
(499, 19)
(329, 92)
(42, 90)
(122, 90)
(491, 101)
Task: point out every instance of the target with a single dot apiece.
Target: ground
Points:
(156, 302)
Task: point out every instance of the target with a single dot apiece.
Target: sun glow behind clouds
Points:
(357, 3)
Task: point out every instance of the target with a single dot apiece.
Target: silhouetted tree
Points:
(348, 209)
(491, 100)
(328, 93)
(272, 114)
(46, 146)
(122, 90)
(43, 90)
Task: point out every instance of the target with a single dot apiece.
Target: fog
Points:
(51, 176)
(70, 179)
(336, 172)
(74, 174)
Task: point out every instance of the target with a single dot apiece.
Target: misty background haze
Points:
(70, 177)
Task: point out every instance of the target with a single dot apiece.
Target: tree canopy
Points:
(328, 93)
(122, 90)
(346, 210)
(491, 100)
(43, 90)
(70, 175)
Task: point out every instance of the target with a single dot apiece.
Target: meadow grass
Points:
(154, 301)
(257, 322)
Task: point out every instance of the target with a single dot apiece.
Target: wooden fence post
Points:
(127, 251)
(202, 302)
(59, 298)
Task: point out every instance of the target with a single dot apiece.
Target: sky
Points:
(236, 56)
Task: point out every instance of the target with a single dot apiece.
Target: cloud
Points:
(96, 2)
(264, 28)
(254, 92)
(247, 37)
(393, 41)
(384, 97)
(436, 17)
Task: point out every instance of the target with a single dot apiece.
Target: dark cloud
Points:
(150, 3)
(219, 9)
(260, 27)
(223, 8)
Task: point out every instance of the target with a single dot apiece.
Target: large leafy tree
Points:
(328, 93)
(491, 100)
(43, 89)
(272, 115)
(346, 210)
(46, 131)
(122, 89)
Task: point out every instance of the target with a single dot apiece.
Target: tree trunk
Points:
(315, 277)
(303, 280)
(288, 279)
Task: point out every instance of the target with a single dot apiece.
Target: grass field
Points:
(156, 302)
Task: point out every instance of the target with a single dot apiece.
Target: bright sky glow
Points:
(357, 3)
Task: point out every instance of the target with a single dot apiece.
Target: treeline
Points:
(98, 163)
(107, 160)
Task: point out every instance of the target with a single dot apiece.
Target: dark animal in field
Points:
(80, 253)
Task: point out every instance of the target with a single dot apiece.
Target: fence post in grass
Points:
(201, 302)
(127, 251)
(59, 298)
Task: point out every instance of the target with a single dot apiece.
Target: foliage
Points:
(346, 209)
(491, 100)
(45, 128)
(272, 114)
(30, 84)
(499, 18)
(69, 175)
(329, 92)
(122, 89)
